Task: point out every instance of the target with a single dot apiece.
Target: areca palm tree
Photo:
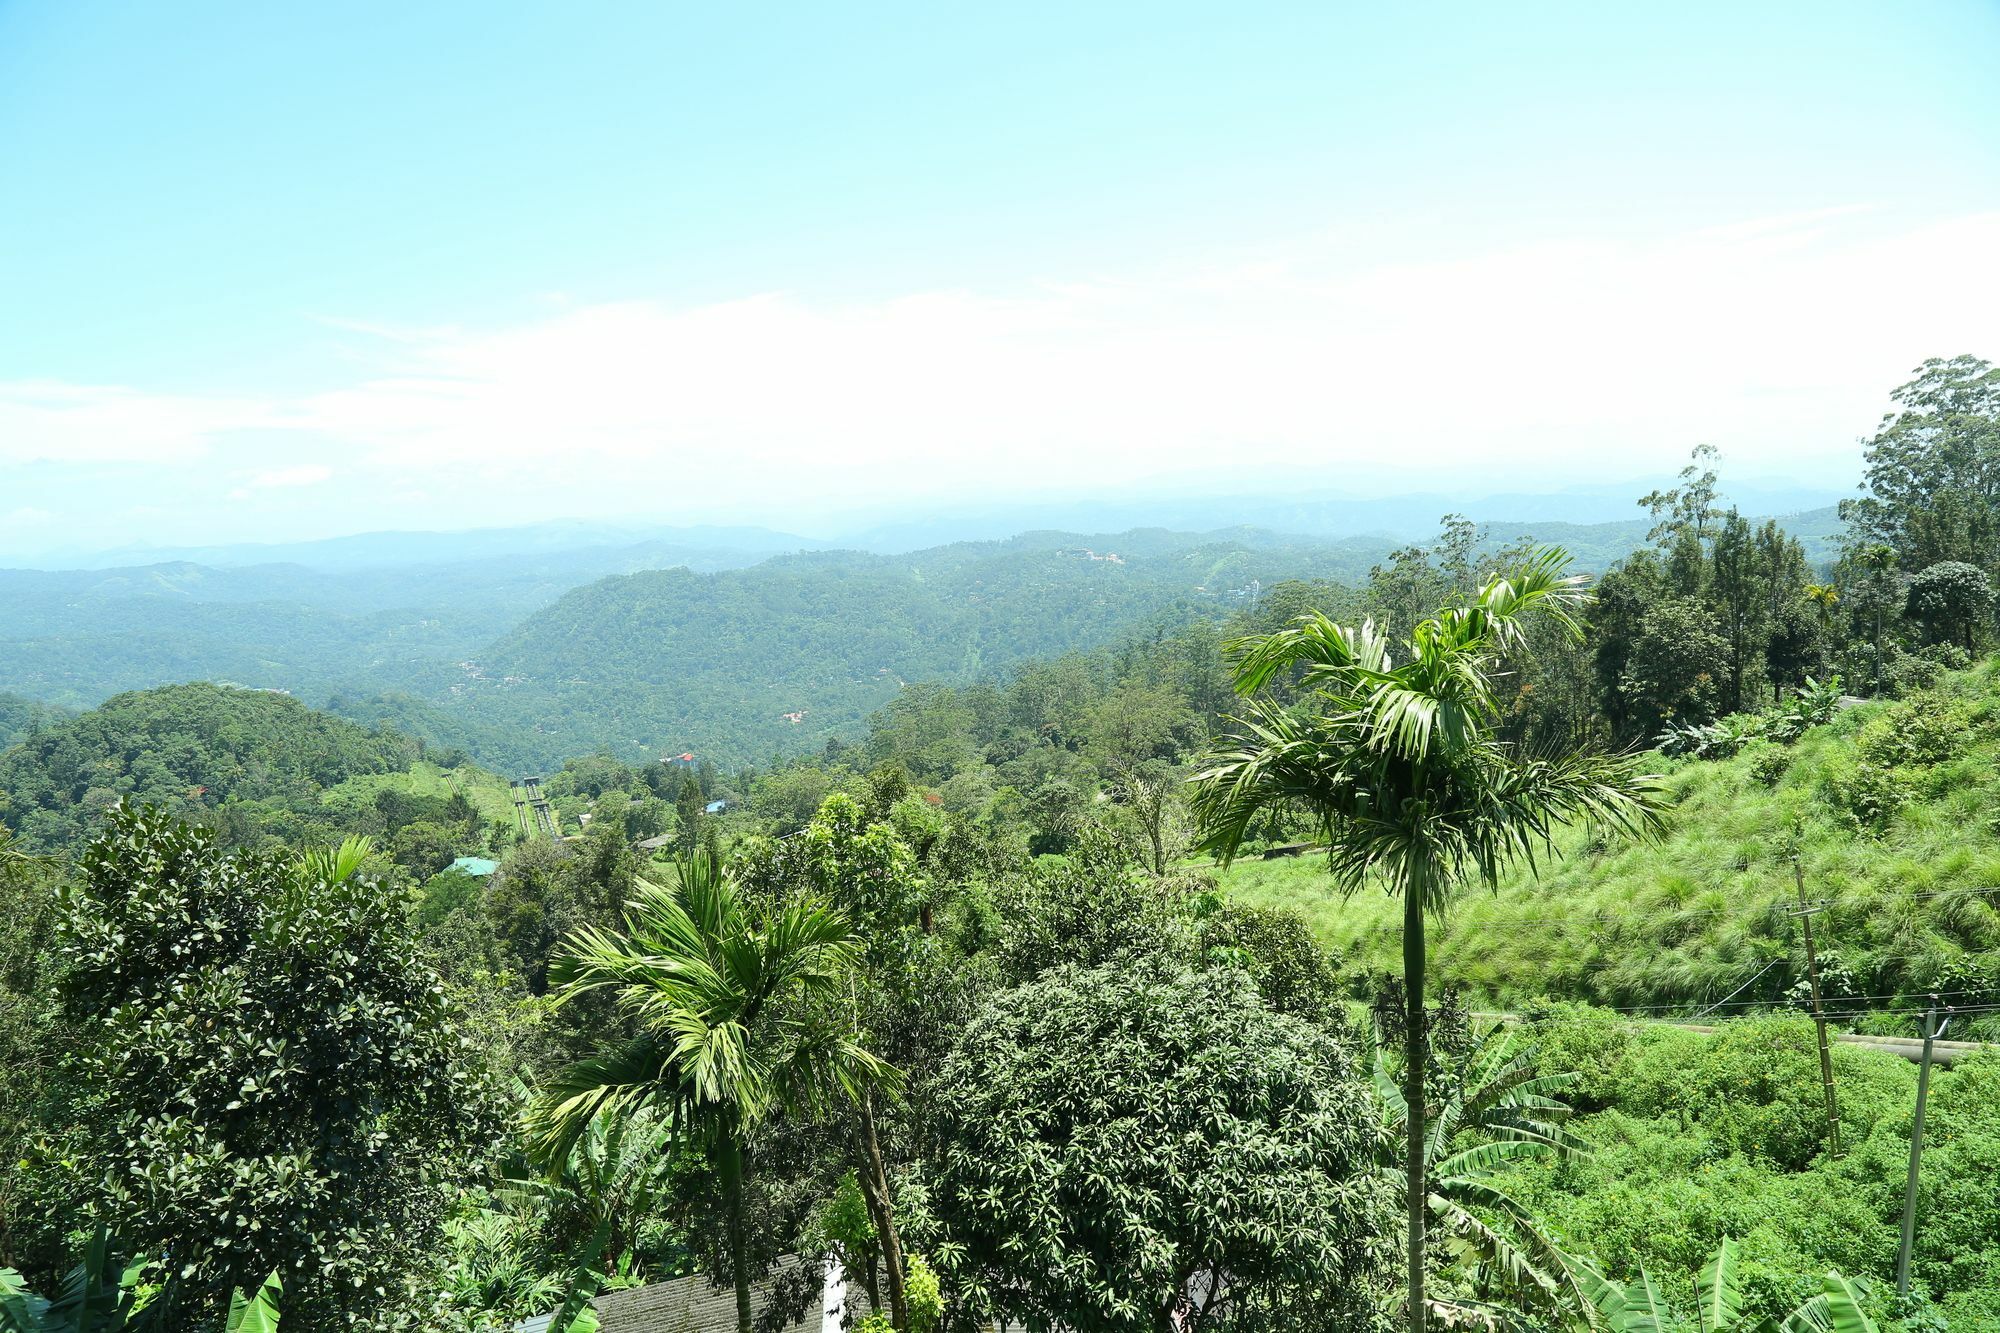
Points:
(1497, 1111)
(1392, 750)
(735, 1018)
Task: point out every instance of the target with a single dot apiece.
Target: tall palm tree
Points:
(735, 1016)
(1398, 763)
(1496, 1112)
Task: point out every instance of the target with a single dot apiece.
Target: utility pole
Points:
(1819, 1012)
(1934, 1026)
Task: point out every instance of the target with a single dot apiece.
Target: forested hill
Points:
(789, 653)
(192, 749)
(76, 636)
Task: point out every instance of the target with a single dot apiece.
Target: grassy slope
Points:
(1686, 921)
(487, 791)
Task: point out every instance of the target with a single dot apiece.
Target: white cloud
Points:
(1777, 339)
(90, 423)
(283, 478)
(306, 474)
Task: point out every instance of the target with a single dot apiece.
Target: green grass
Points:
(487, 791)
(1688, 919)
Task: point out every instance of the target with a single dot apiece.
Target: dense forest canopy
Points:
(180, 748)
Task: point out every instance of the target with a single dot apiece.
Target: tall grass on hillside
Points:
(1897, 811)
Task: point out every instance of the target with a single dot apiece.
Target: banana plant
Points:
(100, 1296)
(1496, 1113)
(1639, 1307)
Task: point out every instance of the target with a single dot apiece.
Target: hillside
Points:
(76, 636)
(521, 659)
(250, 759)
(788, 654)
(715, 663)
(1896, 806)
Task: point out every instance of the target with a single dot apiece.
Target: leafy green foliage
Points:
(926, 1296)
(32, 1041)
(1495, 1110)
(1109, 1133)
(1720, 1300)
(276, 1083)
(1714, 618)
(1695, 1140)
(729, 1008)
(1933, 468)
(100, 1295)
(1953, 600)
(1293, 972)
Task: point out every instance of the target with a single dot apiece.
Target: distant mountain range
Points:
(742, 642)
(1309, 510)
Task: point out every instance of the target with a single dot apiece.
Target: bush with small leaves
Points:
(1768, 762)
(1869, 794)
(924, 1295)
(1131, 1125)
(280, 1082)
(1927, 728)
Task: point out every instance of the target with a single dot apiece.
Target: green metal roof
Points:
(477, 866)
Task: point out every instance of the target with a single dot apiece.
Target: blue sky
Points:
(283, 270)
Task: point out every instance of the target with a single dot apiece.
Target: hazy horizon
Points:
(1305, 512)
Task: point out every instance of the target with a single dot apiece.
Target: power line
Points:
(1740, 989)
(1610, 1014)
(1604, 916)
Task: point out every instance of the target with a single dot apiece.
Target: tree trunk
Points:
(871, 1280)
(739, 1263)
(1415, 1020)
(875, 1191)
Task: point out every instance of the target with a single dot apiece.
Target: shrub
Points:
(924, 1296)
(1586, 1042)
(1658, 1195)
(1754, 1086)
(1768, 762)
(1869, 794)
(1814, 704)
(1927, 728)
(1294, 972)
(1905, 674)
